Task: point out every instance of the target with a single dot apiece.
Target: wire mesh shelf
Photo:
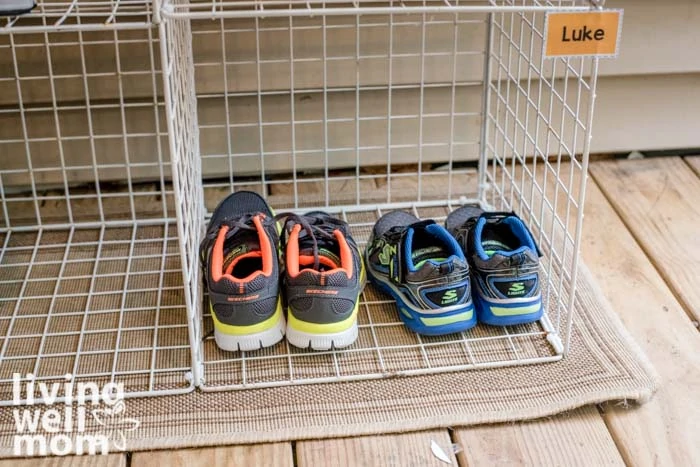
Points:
(385, 347)
(103, 304)
(92, 281)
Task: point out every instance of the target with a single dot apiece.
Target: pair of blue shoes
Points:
(481, 267)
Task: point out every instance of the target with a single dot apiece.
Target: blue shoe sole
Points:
(500, 314)
(450, 322)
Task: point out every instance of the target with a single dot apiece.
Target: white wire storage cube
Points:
(362, 107)
(124, 122)
(94, 250)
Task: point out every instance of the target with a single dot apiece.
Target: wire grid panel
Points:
(385, 347)
(102, 304)
(209, 9)
(176, 49)
(83, 135)
(339, 108)
(90, 268)
(344, 110)
(535, 159)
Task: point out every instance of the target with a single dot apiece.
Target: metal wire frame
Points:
(507, 177)
(338, 132)
(281, 8)
(94, 243)
(512, 153)
(76, 15)
(559, 96)
(72, 119)
(181, 106)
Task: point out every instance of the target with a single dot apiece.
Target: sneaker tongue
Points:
(306, 243)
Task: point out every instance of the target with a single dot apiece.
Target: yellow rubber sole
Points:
(262, 326)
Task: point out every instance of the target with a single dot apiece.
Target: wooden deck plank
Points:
(694, 163)
(277, 454)
(663, 431)
(576, 438)
(110, 460)
(658, 200)
(389, 450)
(650, 433)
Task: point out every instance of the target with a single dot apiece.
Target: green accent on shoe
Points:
(386, 254)
(449, 297)
(421, 263)
(246, 330)
(405, 313)
(443, 320)
(516, 288)
(521, 310)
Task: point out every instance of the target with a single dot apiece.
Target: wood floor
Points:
(642, 244)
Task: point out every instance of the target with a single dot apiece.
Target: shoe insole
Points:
(426, 246)
(247, 266)
(430, 253)
(492, 246)
(498, 237)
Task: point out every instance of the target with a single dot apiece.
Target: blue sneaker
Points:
(424, 269)
(505, 265)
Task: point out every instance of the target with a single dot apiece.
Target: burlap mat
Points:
(604, 364)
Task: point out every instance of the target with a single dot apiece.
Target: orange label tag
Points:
(594, 33)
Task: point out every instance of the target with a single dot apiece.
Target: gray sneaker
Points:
(241, 272)
(324, 277)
